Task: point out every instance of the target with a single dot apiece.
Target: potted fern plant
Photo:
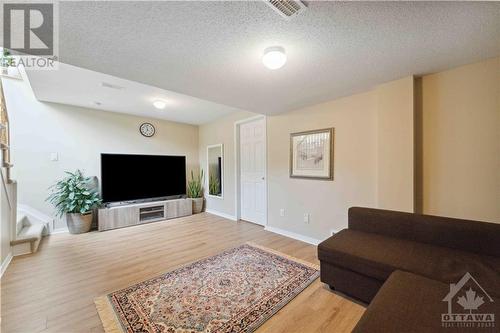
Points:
(195, 191)
(73, 196)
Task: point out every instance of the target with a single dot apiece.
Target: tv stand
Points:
(114, 217)
(151, 213)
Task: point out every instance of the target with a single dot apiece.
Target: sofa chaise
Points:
(402, 264)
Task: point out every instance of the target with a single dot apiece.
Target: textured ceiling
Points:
(212, 50)
(82, 87)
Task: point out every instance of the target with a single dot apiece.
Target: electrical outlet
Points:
(306, 218)
(54, 157)
(282, 212)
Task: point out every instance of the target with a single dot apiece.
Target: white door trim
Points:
(237, 176)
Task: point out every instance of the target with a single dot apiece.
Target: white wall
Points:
(78, 135)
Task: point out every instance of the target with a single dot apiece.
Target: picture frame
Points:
(311, 154)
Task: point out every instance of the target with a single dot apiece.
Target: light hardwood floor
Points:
(53, 290)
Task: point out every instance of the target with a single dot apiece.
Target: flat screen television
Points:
(139, 177)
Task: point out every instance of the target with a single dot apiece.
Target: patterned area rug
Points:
(234, 291)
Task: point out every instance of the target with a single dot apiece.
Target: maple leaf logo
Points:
(470, 301)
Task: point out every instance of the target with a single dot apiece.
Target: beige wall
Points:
(460, 142)
(354, 119)
(79, 136)
(395, 143)
(357, 122)
(221, 131)
(355, 178)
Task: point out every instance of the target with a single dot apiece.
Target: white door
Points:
(253, 171)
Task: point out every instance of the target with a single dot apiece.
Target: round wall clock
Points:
(147, 129)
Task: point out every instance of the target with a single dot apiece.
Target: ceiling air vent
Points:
(286, 8)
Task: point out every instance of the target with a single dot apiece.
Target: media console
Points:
(133, 214)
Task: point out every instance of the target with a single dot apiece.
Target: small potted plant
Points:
(74, 197)
(195, 192)
(214, 185)
(6, 61)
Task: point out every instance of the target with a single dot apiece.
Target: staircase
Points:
(30, 226)
(29, 232)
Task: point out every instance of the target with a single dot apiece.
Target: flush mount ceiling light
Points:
(274, 57)
(159, 104)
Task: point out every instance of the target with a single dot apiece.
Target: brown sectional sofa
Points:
(404, 263)
(412, 303)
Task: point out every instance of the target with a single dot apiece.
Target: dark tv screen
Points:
(135, 177)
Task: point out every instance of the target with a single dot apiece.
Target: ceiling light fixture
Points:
(274, 57)
(159, 104)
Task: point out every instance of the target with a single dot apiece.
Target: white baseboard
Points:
(5, 264)
(226, 216)
(290, 234)
(59, 231)
(333, 232)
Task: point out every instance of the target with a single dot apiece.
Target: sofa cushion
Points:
(466, 235)
(378, 256)
(411, 303)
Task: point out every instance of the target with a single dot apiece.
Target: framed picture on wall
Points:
(311, 154)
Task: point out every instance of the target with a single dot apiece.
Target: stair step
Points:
(33, 230)
(22, 241)
(32, 234)
(20, 217)
(21, 221)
